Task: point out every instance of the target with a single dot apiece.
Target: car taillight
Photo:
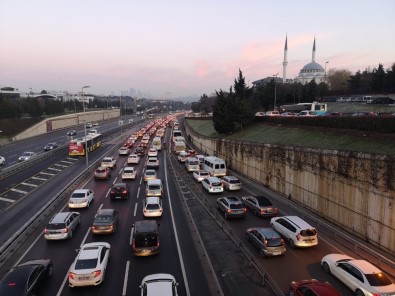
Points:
(96, 273)
(124, 191)
(244, 210)
(229, 211)
(71, 275)
(46, 231)
(282, 242)
(66, 230)
(298, 236)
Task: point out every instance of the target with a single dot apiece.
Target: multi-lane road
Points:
(182, 253)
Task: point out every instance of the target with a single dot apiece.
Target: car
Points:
(95, 124)
(231, 182)
(133, 158)
(191, 152)
(81, 198)
(26, 155)
(71, 133)
(152, 152)
(50, 146)
(259, 114)
(200, 175)
(272, 113)
(295, 230)
(152, 207)
(89, 267)
(307, 113)
(108, 162)
(362, 277)
(213, 185)
(129, 143)
(145, 238)
(102, 173)
(2, 160)
(159, 284)
(124, 150)
(312, 287)
(119, 191)
(152, 162)
(89, 125)
(287, 114)
(27, 278)
(128, 173)
(105, 221)
(182, 156)
(231, 207)
(260, 205)
(150, 175)
(62, 225)
(140, 150)
(266, 240)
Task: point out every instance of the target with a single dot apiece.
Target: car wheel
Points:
(225, 215)
(261, 253)
(359, 293)
(291, 243)
(50, 270)
(326, 267)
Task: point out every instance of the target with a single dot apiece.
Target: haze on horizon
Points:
(184, 48)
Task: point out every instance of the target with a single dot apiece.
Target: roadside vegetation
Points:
(342, 140)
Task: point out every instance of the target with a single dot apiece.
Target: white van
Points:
(154, 188)
(192, 164)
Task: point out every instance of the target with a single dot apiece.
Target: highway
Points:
(186, 206)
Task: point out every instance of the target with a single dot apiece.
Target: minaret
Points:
(313, 57)
(285, 63)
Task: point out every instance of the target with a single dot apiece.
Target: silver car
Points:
(62, 225)
(266, 240)
(231, 183)
(26, 155)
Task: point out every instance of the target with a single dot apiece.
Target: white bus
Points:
(179, 146)
(157, 143)
(176, 133)
(214, 166)
(192, 164)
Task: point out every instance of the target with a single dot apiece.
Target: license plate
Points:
(102, 227)
(84, 278)
(276, 253)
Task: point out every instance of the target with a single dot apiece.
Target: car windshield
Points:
(106, 160)
(203, 173)
(86, 263)
(378, 279)
(26, 154)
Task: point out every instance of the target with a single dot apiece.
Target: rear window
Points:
(78, 195)
(146, 240)
(152, 207)
(100, 171)
(52, 226)
(216, 184)
(154, 187)
(274, 242)
(194, 162)
(103, 218)
(86, 264)
(264, 202)
(236, 206)
(308, 232)
(234, 181)
(378, 279)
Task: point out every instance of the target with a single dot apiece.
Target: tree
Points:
(378, 76)
(338, 78)
(223, 111)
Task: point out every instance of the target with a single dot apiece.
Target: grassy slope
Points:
(305, 137)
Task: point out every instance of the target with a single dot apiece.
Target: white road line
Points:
(135, 209)
(7, 199)
(37, 178)
(131, 236)
(27, 184)
(138, 192)
(63, 284)
(125, 280)
(108, 192)
(19, 191)
(184, 275)
(101, 206)
(44, 173)
(86, 235)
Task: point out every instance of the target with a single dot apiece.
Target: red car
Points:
(102, 173)
(119, 191)
(312, 287)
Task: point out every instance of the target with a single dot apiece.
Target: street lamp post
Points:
(86, 143)
(325, 70)
(275, 90)
(120, 113)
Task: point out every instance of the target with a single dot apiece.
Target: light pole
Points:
(86, 143)
(120, 113)
(275, 91)
(325, 70)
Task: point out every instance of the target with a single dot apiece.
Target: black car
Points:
(26, 278)
(50, 146)
(72, 133)
(140, 150)
(119, 191)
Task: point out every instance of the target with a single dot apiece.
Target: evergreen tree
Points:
(223, 111)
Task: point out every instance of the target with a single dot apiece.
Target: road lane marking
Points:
(135, 209)
(125, 280)
(7, 199)
(19, 191)
(27, 184)
(37, 178)
(131, 236)
(138, 192)
(85, 237)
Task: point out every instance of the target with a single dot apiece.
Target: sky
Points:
(177, 48)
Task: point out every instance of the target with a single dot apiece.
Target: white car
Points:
(133, 158)
(182, 156)
(152, 206)
(200, 175)
(2, 160)
(128, 173)
(81, 198)
(89, 267)
(108, 162)
(159, 284)
(152, 162)
(26, 155)
(124, 150)
(231, 182)
(362, 277)
(152, 152)
(213, 185)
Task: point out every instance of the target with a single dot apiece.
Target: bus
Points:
(179, 146)
(176, 133)
(157, 143)
(160, 132)
(215, 166)
(77, 146)
(319, 108)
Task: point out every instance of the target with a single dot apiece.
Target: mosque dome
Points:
(312, 67)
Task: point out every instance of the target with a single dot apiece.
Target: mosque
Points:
(310, 71)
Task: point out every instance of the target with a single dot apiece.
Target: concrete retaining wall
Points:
(354, 191)
(66, 121)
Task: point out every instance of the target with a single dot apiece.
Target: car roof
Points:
(81, 191)
(232, 199)
(128, 169)
(89, 252)
(230, 177)
(268, 232)
(119, 185)
(152, 199)
(15, 280)
(364, 266)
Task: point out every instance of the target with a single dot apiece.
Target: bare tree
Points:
(337, 78)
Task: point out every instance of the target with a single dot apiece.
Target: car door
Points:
(256, 239)
(34, 280)
(343, 271)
